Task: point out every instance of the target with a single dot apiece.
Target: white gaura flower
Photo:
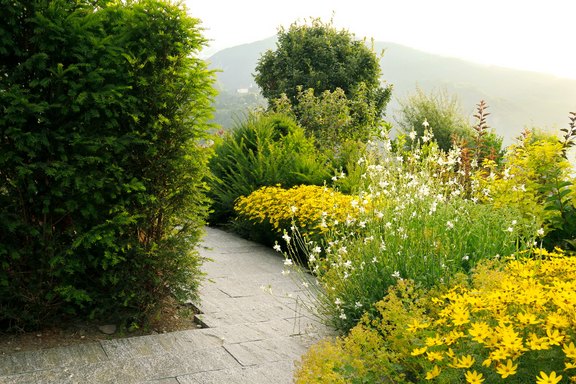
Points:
(293, 208)
(338, 301)
(277, 247)
(343, 316)
(396, 274)
(286, 238)
(412, 135)
(288, 262)
(510, 229)
(540, 232)
(316, 249)
(450, 225)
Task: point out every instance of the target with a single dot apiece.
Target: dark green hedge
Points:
(102, 110)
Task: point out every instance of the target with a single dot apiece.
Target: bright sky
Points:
(537, 35)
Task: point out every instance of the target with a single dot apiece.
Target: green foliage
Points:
(411, 220)
(441, 113)
(103, 104)
(508, 323)
(374, 350)
(263, 150)
(331, 80)
(535, 178)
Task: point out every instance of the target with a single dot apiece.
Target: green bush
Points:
(414, 222)
(263, 150)
(103, 105)
(512, 322)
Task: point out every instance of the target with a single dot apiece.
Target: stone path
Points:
(252, 336)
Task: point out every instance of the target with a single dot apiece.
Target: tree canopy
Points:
(316, 60)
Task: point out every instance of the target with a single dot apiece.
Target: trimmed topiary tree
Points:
(103, 106)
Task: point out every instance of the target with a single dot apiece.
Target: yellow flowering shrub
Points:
(313, 209)
(518, 327)
(364, 355)
(532, 170)
(513, 322)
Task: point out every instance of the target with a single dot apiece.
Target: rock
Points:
(107, 329)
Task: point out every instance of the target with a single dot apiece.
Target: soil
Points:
(171, 317)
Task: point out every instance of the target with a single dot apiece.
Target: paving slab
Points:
(257, 329)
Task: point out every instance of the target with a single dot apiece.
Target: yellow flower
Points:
(435, 356)
(487, 362)
(433, 373)
(545, 379)
(419, 351)
(465, 361)
(536, 343)
(473, 377)
(499, 354)
(432, 341)
(570, 365)
(570, 350)
(507, 370)
(479, 331)
(554, 337)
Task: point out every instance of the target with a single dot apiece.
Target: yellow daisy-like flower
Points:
(465, 361)
(548, 379)
(507, 370)
(473, 377)
(570, 365)
(419, 351)
(554, 337)
(435, 356)
(432, 341)
(435, 372)
(569, 350)
(536, 343)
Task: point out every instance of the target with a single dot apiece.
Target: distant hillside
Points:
(517, 99)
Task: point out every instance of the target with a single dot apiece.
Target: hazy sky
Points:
(533, 35)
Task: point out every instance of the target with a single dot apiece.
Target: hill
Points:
(517, 99)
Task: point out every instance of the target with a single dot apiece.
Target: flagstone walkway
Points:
(252, 336)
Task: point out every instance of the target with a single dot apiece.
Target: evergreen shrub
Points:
(101, 172)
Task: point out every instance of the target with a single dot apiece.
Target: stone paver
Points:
(253, 336)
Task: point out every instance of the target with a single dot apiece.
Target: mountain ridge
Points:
(517, 99)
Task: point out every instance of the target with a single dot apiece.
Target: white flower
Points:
(412, 135)
(338, 301)
(514, 222)
(388, 225)
(277, 247)
(293, 208)
(379, 214)
(465, 258)
(343, 316)
(285, 272)
(286, 238)
(358, 304)
(305, 284)
(348, 264)
(540, 232)
(362, 224)
(374, 260)
(450, 224)
(316, 249)
(510, 229)
(288, 262)
(426, 124)
(396, 274)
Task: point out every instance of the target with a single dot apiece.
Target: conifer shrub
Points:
(102, 108)
(263, 150)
